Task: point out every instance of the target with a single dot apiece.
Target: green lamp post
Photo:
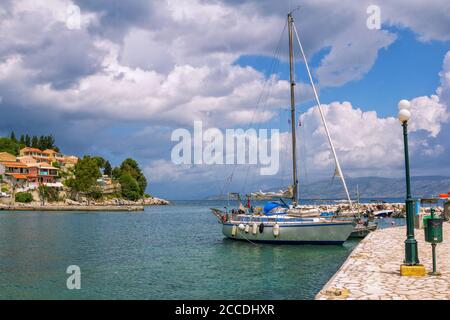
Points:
(411, 264)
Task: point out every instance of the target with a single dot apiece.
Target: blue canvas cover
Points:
(270, 205)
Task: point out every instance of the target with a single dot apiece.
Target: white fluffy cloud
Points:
(171, 62)
(366, 145)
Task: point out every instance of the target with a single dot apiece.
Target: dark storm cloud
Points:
(64, 58)
(117, 16)
(58, 55)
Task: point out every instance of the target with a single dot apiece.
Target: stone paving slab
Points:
(372, 271)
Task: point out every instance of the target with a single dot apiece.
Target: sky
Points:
(115, 79)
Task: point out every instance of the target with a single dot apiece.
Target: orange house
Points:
(42, 173)
(14, 172)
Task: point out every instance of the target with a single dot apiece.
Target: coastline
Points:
(72, 208)
(114, 205)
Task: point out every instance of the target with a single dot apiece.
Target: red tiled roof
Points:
(17, 175)
(13, 164)
(49, 151)
(31, 149)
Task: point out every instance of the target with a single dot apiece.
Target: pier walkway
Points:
(372, 271)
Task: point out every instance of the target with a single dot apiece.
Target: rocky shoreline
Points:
(115, 204)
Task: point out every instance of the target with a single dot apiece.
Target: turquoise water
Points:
(167, 252)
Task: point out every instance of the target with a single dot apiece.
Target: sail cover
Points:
(288, 193)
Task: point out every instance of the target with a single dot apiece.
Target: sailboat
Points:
(278, 222)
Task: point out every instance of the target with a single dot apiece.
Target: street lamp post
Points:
(411, 264)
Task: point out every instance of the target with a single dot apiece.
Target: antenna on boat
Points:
(336, 160)
(293, 122)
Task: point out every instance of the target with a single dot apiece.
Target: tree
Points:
(22, 139)
(107, 169)
(131, 166)
(35, 142)
(10, 146)
(27, 140)
(13, 136)
(44, 193)
(116, 173)
(129, 186)
(100, 161)
(86, 173)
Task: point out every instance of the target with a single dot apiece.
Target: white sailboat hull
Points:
(301, 233)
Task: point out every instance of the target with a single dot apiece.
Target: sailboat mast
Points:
(293, 122)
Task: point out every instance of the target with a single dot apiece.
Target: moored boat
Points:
(279, 222)
(283, 229)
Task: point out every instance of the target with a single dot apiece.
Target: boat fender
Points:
(261, 228)
(241, 227)
(247, 228)
(276, 230)
(233, 230)
(254, 228)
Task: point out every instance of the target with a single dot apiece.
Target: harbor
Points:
(136, 256)
(227, 156)
(372, 270)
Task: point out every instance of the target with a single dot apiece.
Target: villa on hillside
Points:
(29, 176)
(49, 156)
(34, 167)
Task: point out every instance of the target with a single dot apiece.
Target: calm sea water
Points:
(167, 252)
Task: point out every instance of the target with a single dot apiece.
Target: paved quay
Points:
(372, 271)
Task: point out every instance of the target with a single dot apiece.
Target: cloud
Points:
(135, 71)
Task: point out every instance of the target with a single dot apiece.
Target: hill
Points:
(373, 187)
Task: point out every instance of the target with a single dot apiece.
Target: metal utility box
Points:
(433, 230)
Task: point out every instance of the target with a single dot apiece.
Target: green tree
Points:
(86, 173)
(10, 146)
(27, 140)
(131, 166)
(43, 193)
(116, 173)
(22, 139)
(13, 136)
(100, 161)
(107, 169)
(129, 186)
(35, 142)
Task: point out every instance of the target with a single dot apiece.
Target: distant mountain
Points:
(372, 187)
(376, 187)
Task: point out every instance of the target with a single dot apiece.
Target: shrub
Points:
(24, 197)
(130, 187)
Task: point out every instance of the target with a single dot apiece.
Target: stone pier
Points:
(372, 271)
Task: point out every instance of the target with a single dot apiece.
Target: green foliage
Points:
(130, 187)
(24, 197)
(48, 194)
(116, 173)
(100, 161)
(95, 193)
(10, 146)
(86, 173)
(35, 142)
(107, 169)
(131, 166)
(5, 189)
